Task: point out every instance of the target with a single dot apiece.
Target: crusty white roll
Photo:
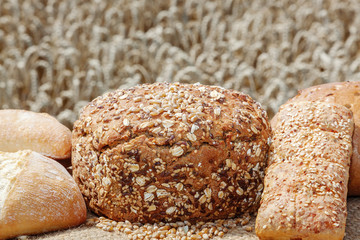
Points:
(40, 132)
(37, 195)
(305, 185)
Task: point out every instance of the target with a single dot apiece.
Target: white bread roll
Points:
(40, 132)
(37, 195)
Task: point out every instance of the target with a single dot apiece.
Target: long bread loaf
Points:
(305, 185)
(348, 95)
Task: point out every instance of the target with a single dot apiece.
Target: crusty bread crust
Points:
(348, 95)
(43, 197)
(306, 181)
(168, 152)
(40, 132)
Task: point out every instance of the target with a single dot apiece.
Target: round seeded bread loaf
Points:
(169, 152)
(348, 95)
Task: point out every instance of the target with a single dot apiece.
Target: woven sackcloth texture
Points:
(93, 233)
(56, 56)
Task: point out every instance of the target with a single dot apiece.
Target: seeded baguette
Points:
(348, 95)
(37, 195)
(40, 132)
(169, 152)
(306, 181)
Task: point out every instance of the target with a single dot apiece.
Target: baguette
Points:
(37, 195)
(305, 185)
(40, 132)
(348, 95)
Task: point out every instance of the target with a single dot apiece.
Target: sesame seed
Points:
(217, 111)
(168, 123)
(239, 191)
(248, 152)
(123, 96)
(220, 194)
(215, 94)
(106, 181)
(194, 127)
(133, 210)
(126, 122)
(134, 110)
(146, 125)
(137, 99)
(156, 130)
(228, 163)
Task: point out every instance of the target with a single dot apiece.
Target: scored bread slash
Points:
(305, 185)
(174, 152)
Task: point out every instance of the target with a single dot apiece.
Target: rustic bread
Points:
(168, 152)
(40, 132)
(305, 184)
(348, 95)
(37, 195)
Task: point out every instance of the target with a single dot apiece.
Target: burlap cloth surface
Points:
(86, 232)
(56, 56)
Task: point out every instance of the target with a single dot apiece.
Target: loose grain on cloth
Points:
(56, 56)
(238, 233)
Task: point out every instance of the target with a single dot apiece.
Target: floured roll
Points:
(37, 195)
(40, 132)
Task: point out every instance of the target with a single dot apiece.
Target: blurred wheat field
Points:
(55, 56)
